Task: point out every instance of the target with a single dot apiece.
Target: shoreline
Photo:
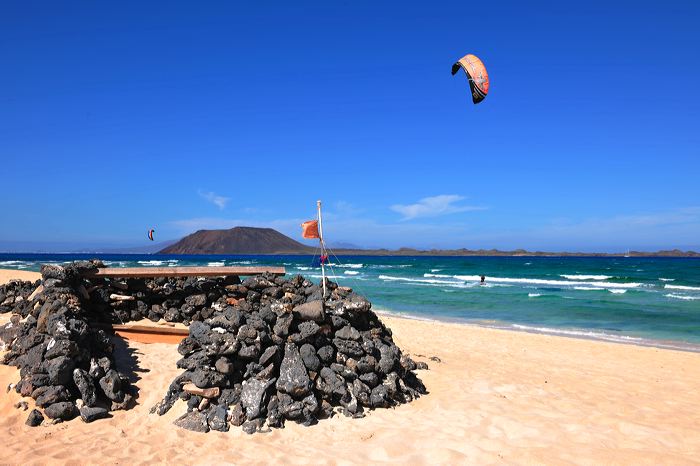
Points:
(578, 334)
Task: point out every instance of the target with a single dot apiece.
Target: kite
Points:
(476, 72)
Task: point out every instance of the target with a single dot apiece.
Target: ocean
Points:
(645, 301)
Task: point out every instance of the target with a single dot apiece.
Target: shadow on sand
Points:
(126, 359)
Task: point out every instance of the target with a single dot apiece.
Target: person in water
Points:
(483, 279)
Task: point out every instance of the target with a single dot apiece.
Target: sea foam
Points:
(539, 281)
(586, 277)
(682, 287)
(682, 296)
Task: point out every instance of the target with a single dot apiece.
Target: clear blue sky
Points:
(116, 117)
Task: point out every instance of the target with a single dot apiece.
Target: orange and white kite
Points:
(476, 72)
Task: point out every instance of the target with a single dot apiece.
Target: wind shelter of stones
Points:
(258, 353)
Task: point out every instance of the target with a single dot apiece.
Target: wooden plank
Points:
(150, 337)
(143, 272)
(162, 330)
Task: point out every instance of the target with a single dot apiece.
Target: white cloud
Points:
(219, 201)
(434, 206)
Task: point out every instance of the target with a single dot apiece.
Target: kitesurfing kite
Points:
(476, 72)
(150, 234)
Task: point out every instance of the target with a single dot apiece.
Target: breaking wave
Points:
(682, 296)
(538, 281)
(682, 287)
(348, 266)
(586, 277)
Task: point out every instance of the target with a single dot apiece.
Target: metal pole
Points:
(323, 249)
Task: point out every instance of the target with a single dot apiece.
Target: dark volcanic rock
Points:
(57, 348)
(349, 347)
(60, 370)
(35, 418)
(237, 415)
(217, 419)
(64, 410)
(88, 414)
(269, 356)
(111, 385)
(205, 378)
(308, 329)
(308, 355)
(86, 387)
(348, 333)
(253, 396)
(293, 379)
(194, 421)
(326, 354)
(45, 396)
(311, 310)
(252, 426)
(379, 397)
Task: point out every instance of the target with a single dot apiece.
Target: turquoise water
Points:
(634, 300)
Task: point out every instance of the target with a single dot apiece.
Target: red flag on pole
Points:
(309, 230)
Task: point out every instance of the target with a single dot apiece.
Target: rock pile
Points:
(65, 366)
(259, 352)
(15, 294)
(172, 299)
(281, 352)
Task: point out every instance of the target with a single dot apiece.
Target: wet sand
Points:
(496, 397)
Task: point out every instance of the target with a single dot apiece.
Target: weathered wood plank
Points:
(157, 330)
(143, 272)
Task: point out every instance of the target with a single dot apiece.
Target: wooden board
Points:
(143, 272)
(182, 332)
(151, 333)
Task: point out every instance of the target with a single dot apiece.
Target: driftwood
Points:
(192, 389)
(121, 297)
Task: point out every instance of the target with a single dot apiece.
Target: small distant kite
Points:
(150, 234)
(476, 72)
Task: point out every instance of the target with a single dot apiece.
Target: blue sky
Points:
(115, 118)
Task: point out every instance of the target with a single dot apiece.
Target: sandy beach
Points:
(497, 397)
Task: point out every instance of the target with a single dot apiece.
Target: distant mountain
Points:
(238, 240)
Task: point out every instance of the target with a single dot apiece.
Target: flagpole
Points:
(323, 249)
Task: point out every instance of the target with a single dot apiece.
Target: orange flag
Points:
(309, 229)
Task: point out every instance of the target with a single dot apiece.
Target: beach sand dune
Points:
(496, 397)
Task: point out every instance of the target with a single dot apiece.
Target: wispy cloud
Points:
(434, 206)
(219, 201)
